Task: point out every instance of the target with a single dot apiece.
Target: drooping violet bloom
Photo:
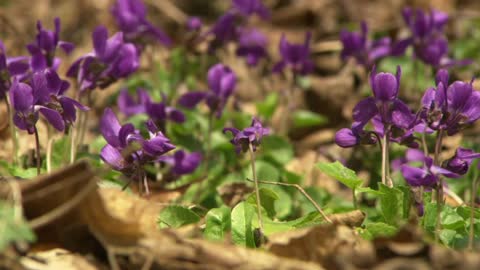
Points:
(194, 24)
(25, 103)
(127, 150)
(461, 161)
(182, 163)
(389, 114)
(248, 8)
(252, 45)
(347, 137)
(427, 175)
(450, 107)
(249, 136)
(131, 17)
(44, 48)
(364, 50)
(112, 59)
(221, 82)
(9, 68)
(56, 98)
(429, 42)
(158, 112)
(295, 56)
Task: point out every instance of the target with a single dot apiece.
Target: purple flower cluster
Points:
(44, 94)
(429, 42)
(33, 85)
(445, 109)
(112, 59)
(229, 28)
(295, 56)
(44, 48)
(364, 50)
(450, 107)
(221, 82)
(127, 150)
(159, 112)
(130, 16)
(389, 114)
(250, 136)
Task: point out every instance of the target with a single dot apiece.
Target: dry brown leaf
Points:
(66, 208)
(320, 244)
(57, 259)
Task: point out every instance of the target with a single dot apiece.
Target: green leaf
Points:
(277, 149)
(265, 171)
(175, 216)
(448, 236)
(341, 173)
(391, 204)
(368, 190)
(13, 229)
(379, 229)
(268, 106)
(430, 216)
(302, 118)
(12, 170)
(242, 229)
(217, 222)
(451, 219)
(267, 199)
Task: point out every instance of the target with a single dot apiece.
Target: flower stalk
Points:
(257, 191)
(439, 187)
(37, 149)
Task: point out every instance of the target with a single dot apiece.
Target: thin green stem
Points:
(73, 146)
(13, 132)
(37, 149)
(471, 234)
(257, 191)
(309, 198)
(384, 158)
(354, 198)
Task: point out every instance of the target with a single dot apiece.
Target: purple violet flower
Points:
(427, 175)
(224, 30)
(158, 112)
(44, 94)
(387, 112)
(252, 45)
(131, 19)
(126, 150)
(428, 40)
(183, 163)
(249, 7)
(111, 60)
(25, 99)
(365, 51)
(221, 82)
(45, 45)
(249, 136)
(10, 67)
(295, 56)
(450, 107)
(461, 161)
